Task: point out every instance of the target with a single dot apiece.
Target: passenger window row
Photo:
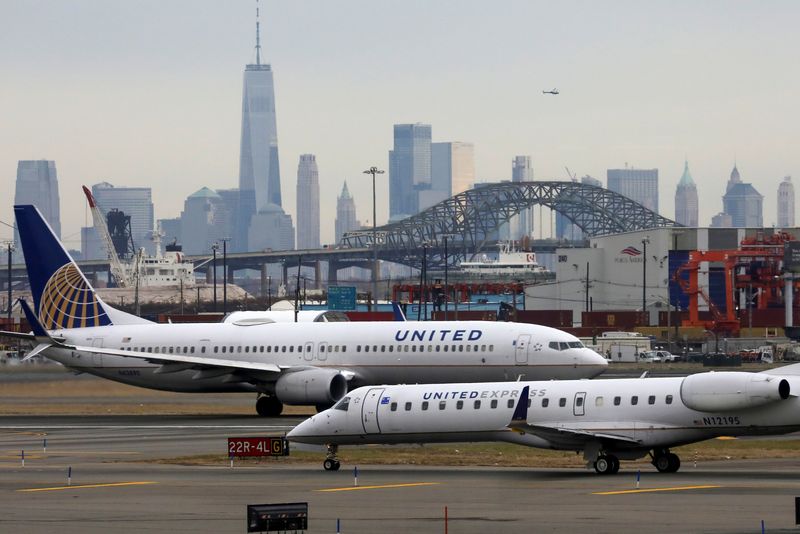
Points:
(430, 348)
(476, 405)
(230, 349)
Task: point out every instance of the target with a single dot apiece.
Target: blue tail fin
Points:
(521, 411)
(398, 312)
(61, 294)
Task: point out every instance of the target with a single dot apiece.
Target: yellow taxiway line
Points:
(83, 486)
(653, 490)
(385, 486)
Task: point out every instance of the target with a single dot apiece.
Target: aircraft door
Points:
(521, 353)
(308, 351)
(579, 404)
(369, 410)
(97, 359)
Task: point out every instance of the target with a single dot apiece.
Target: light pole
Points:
(645, 241)
(225, 274)
(214, 248)
(269, 292)
(446, 237)
(373, 171)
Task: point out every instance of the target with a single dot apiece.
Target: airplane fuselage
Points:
(378, 352)
(626, 417)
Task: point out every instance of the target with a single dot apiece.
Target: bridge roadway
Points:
(338, 257)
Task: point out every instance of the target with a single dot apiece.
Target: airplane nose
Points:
(593, 359)
(304, 429)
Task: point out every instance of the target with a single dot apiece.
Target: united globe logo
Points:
(69, 302)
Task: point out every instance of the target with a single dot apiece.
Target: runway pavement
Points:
(117, 487)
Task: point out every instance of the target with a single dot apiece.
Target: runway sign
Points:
(261, 446)
(277, 517)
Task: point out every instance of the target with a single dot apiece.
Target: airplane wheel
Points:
(330, 465)
(603, 465)
(614, 464)
(269, 406)
(674, 462)
(663, 463)
(336, 465)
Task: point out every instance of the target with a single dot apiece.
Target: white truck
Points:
(660, 356)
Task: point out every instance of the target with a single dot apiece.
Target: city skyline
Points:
(705, 82)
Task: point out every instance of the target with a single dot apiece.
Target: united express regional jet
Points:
(607, 420)
(284, 363)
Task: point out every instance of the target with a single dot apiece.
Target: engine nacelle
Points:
(311, 386)
(725, 391)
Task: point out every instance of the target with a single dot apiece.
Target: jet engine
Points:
(725, 391)
(311, 386)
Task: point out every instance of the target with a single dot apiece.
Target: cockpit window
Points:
(575, 345)
(563, 345)
(553, 345)
(342, 404)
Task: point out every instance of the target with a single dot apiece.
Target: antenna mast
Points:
(258, 37)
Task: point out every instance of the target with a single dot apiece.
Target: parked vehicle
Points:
(662, 356)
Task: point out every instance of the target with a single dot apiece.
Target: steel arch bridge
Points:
(468, 219)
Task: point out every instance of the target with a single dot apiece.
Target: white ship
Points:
(511, 263)
(162, 270)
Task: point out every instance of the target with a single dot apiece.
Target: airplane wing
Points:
(560, 434)
(557, 434)
(169, 362)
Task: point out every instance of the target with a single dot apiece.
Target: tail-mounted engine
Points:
(725, 391)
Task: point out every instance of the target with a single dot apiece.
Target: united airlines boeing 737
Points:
(607, 420)
(284, 363)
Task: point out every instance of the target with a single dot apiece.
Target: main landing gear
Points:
(606, 464)
(268, 406)
(331, 463)
(665, 461)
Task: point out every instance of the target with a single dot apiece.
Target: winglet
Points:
(521, 411)
(36, 325)
(398, 312)
(44, 341)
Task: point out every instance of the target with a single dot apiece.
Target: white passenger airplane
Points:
(310, 363)
(608, 420)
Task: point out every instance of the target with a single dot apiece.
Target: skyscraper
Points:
(37, 184)
(640, 185)
(786, 203)
(409, 168)
(307, 202)
(345, 214)
(136, 202)
(522, 171)
(452, 171)
(686, 203)
(742, 202)
(259, 170)
(202, 221)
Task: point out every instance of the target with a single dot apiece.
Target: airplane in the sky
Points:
(607, 420)
(553, 92)
(311, 363)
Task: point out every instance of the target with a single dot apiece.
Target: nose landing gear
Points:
(331, 462)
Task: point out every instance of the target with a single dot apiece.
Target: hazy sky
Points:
(148, 93)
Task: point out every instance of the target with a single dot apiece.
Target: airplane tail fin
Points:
(398, 312)
(62, 296)
(521, 411)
